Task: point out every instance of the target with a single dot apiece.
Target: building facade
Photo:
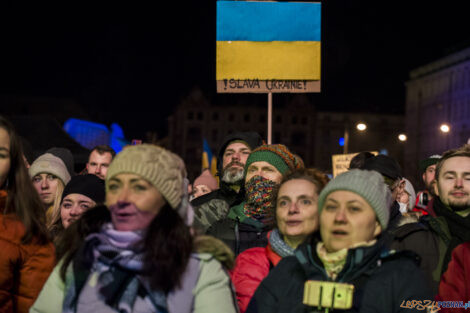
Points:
(437, 93)
(311, 134)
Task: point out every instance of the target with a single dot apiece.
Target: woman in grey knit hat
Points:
(136, 253)
(348, 268)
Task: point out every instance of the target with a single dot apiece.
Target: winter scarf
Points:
(118, 261)
(279, 245)
(459, 228)
(334, 261)
(259, 199)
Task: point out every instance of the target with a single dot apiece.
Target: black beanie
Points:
(66, 156)
(383, 164)
(88, 185)
(253, 139)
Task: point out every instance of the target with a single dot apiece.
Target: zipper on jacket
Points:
(237, 236)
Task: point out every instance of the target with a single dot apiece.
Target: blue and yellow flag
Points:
(268, 40)
(209, 161)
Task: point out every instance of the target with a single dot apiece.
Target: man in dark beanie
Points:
(247, 223)
(231, 160)
(427, 168)
(391, 172)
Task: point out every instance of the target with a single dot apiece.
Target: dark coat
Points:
(382, 281)
(214, 206)
(240, 232)
(431, 239)
(424, 241)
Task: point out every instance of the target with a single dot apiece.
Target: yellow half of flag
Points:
(286, 60)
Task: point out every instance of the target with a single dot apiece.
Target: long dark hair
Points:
(23, 200)
(168, 244)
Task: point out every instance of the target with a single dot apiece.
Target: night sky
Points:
(138, 61)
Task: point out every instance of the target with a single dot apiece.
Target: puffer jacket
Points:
(205, 288)
(240, 232)
(383, 280)
(24, 268)
(251, 267)
(455, 283)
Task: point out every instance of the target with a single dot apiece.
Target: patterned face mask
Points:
(259, 198)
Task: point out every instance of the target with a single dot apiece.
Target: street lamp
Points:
(445, 128)
(360, 126)
(402, 137)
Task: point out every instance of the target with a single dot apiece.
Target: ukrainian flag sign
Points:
(268, 46)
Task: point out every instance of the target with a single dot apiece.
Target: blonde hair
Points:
(54, 216)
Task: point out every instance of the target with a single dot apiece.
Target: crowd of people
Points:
(130, 233)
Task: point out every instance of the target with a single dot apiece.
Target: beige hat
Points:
(155, 164)
(50, 164)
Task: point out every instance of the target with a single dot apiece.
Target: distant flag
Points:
(209, 161)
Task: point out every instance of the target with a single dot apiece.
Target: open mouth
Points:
(124, 215)
(339, 232)
(293, 223)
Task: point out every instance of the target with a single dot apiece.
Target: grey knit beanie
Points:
(156, 165)
(50, 164)
(369, 185)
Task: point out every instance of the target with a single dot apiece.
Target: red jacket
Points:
(251, 267)
(455, 283)
(24, 268)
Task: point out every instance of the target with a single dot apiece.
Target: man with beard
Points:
(248, 223)
(423, 198)
(231, 159)
(435, 237)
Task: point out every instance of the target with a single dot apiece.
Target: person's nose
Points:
(340, 216)
(98, 169)
(75, 210)
(44, 184)
(459, 182)
(236, 156)
(293, 208)
(123, 195)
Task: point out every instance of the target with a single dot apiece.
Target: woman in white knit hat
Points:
(136, 254)
(349, 268)
(49, 175)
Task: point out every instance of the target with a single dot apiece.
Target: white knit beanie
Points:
(156, 165)
(369, 185)
(50, 164)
